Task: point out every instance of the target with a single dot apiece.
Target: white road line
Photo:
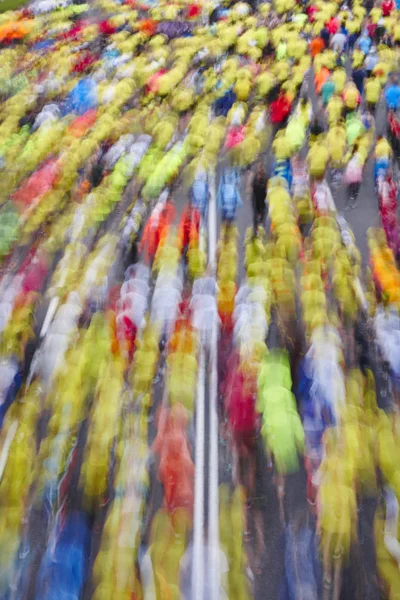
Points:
(198, 533)
(51, 311)
(213, 496)
(212, 222)
(6, 447)
(213, 521)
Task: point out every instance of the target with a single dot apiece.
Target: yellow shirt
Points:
(242, 89)
(383, 149)
(396, 32)
(352, 26)
(281, 147)
(317, 159)
(351, 96)
(338, 509)
(334, 109)
(375, 15)
(337, 143)
(339, 79)
(389, 23)
(265, 82)
(372, 90)
(297, 48)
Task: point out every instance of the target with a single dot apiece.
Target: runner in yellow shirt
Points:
(351, 96)
(375, 14)
(318, 158)
(336, 139)
(373, 90)
(383, 149)
(396, 32)
(339, 79)
(334, 109)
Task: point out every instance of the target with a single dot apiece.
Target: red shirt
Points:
(106, 28)
(193, 11)
(152, 83)
(241, 405)
(387, 7)
(235, 136)
(38, 184)
(279, 109)
(189, 225)
(311, 10)
(332, 25)
(35, 276)
(394, 125)
(84, 62)
(371, 28)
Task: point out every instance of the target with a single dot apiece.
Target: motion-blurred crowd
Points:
(114, 115)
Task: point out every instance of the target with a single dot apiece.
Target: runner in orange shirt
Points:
(317, 44)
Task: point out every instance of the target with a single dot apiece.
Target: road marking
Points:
(212, 222)
(7, 445)
(213, 491)
(198, 533)
(49, 315)
(213, 496)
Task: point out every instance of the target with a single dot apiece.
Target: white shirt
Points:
(251, 325)
(140, 286)
(338, 41)
(139, 271)
(52, 354)
(259, 295)
(135, 305)
(5, 314)
(49, 115)
(205, 285)
(391, 524)
(66, 318)
(118, 149)
(249, 311)
(8, 370)
(205, 311)
(164, 307)
(323, 197)
(165, 279)
(243, 293)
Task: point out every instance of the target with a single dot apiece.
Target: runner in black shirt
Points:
(259, 185)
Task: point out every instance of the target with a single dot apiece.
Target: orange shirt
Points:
(317, 44)
(320, 79)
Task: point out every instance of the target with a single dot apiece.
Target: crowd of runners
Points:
(197, 354)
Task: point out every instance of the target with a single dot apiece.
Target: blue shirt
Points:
(364, 43)
(282, 168)
(223, 105)
(392, 97)
(200, 195)
(228, 194)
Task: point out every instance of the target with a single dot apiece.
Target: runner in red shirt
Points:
(243, 423)
(332, 25)
(280, 109)
(388, 6)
